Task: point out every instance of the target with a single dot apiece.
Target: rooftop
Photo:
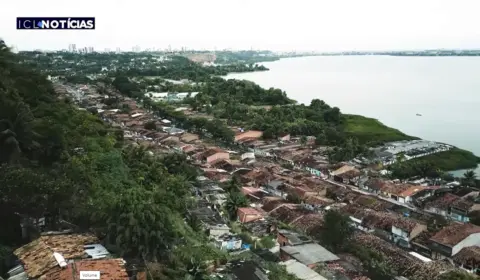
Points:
(250, 211)
(37, 256)
(469, 255)
(442, 202)
(310, 253)
(111, 269)
(295, 238)
(301, 271)
(451, 235)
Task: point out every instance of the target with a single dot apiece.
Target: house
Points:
(390, 226)
(440, 204)
(317, 168)
(212, 154)
(316, 202)
(291, 238)
(254, 194)
(276, 188)
(346, 174)
(460, 209)
(210, 218)
(350, 177)
(309, 254)
(311, 224)
(284, 137)
(375, 185)
(404, 193)
(111, 269)
(228, 242)
(287, 213)
(37, 257)
(253, 134)
(468, 258)
(189, 137)
(301, 271)
(453, 238)
(247, 155)
(248, 270)
(249, 214)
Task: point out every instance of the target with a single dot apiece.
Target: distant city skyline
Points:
(302, 25)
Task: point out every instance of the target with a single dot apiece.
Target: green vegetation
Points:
(337, 231)
(457, 275)
(244, 57)
(453, 159)
(64, 164)
(368, 130)
(434, 165)
(75, 67)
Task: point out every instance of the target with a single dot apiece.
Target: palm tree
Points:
(469, 178)
(235, 201)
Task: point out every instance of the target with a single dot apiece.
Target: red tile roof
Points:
(110, 269)
(442, 202)
(451, 235)
(37, 256)
(250, 211)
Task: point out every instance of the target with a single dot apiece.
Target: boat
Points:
(419, 115)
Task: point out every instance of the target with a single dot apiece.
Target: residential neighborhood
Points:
(290, 187)
(154, 166)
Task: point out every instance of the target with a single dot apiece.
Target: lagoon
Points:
(445, 91)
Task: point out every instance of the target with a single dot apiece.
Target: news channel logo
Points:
(55, 23)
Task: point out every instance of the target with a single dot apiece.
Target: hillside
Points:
(65, 165)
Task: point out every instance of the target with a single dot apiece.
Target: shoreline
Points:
(456, 159)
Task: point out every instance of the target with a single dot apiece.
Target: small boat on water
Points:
(419, 115)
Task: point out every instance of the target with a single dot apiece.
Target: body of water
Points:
(444, 90)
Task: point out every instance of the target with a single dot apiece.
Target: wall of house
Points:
(439, 251)
(436, 211)
(471, 240)
(314, 171)
(460, 217)
(248, 155)
(400, 233)
(419, 228)
(218, 230)
(218, 156)
(282, 240)
(233, 244)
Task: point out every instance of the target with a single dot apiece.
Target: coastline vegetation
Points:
(369, 130)
(66, 165)
(237, 102)
(453, 159)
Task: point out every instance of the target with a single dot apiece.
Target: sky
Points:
(281, 25)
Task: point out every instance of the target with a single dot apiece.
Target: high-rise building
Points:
(72, 47)
(118, 50)
(90, 49)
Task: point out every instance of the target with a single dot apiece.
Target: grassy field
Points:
(453, 159)
(371, 131)
(368, 130)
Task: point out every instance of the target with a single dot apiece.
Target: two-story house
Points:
(453, 238)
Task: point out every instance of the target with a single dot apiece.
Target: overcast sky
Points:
(261, 24)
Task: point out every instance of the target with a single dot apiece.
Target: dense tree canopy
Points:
(64, 164)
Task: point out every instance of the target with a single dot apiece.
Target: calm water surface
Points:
(444, 90)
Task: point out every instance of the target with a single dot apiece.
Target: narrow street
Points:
(354, 189)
